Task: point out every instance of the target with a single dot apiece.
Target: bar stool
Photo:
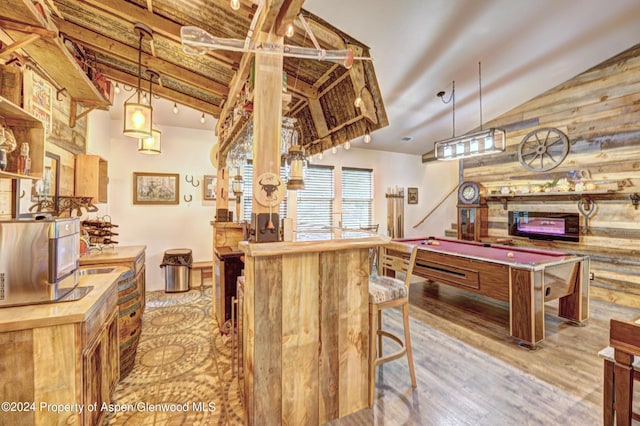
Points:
(389, 292)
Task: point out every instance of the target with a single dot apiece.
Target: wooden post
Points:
(267, 121)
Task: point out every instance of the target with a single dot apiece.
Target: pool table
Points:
(526, 278)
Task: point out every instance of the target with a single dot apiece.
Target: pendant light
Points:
(483, 142)
(151, 145)
(137, 115)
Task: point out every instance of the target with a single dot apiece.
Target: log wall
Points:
(599, 112)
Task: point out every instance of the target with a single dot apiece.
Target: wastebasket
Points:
(177, 270)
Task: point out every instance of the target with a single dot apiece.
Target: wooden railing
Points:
(454, 189)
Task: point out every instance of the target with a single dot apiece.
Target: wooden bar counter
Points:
(305, 330)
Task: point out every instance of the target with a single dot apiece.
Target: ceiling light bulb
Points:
(347, 145)
(367, 137)
(358, 102)
(144, 98)
(290, 31)
(202, 118)
(235, 4)
(334, 150)
(117, 89)
(175, 108)
(320, 156)
(138, 119)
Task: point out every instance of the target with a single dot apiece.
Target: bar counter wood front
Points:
(305, 330)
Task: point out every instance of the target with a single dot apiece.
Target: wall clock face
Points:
(469, 193)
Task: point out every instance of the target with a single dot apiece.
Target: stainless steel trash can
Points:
(177, 270)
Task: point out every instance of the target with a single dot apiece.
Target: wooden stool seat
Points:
(389, 292)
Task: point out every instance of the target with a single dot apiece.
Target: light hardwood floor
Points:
(470, 372)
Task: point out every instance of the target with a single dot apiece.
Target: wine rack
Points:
(99, 232)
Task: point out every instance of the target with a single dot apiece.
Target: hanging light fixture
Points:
(137, 115)
(117, 89)
(151, 145)
(358, 102)
(202, 119)
(347, 145)
(235, 4)
(482, 142)
(175, 108)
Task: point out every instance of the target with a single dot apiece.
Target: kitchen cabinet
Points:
(61, 355)
(91, 177)
(101, 369)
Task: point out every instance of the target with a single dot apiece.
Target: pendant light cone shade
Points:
(151, 145)
(137, 115)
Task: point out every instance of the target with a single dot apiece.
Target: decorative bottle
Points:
(24, 161)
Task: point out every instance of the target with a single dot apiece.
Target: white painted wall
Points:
(434, 181)
(187, 225)
(159, 227)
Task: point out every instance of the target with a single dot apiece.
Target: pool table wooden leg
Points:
(575, 306)
(526, 307)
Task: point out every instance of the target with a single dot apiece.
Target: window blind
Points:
(315, 202)
(357, 197)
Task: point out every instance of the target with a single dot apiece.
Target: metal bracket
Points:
(586, 207)
(635, 200)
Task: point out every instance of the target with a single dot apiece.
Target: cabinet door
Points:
(100, 368)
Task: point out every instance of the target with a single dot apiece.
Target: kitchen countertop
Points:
(45, 315)
(112, 254)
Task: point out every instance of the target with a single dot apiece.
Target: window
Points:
(315, 202)
(357, 197)
(247, 194)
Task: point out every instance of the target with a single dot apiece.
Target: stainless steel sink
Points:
(93, 271)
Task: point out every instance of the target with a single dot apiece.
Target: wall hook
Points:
(22, 194)
(190, 180)
(188, 198)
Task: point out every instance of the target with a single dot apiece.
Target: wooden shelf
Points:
(568, 195)
(26, 128)
(50, 54)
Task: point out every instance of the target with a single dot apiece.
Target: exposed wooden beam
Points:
(26, 28)
(288, 12)
(367, 108)
(164, 92)
(107, 45)
(165, 27)
(7, 50)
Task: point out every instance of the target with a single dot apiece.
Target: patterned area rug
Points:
(182, 373)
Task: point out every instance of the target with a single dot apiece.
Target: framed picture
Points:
(209, 187)
(412, 195)
(156, 188)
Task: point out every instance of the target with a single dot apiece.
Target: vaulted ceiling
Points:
(101, 35)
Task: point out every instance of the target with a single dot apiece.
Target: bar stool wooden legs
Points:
(389, 292)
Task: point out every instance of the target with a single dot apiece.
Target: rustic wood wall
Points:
(598, 111)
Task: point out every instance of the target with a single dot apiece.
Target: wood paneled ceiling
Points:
(322, 92)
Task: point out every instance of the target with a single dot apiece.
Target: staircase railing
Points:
(455, 188)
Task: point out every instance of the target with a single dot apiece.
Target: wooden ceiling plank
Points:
(327, 38)
(288, 13)
(164, 92)
(160, 25)
(109, 46)
(18, 45)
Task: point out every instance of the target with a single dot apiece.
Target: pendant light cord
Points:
(480, 89)
(141, 36)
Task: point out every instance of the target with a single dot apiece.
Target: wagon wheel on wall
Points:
(543, 149)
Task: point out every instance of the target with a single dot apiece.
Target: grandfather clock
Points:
(472, 212)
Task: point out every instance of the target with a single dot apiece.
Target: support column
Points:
(268, 188)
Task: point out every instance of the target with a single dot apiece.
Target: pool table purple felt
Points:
(525, 278)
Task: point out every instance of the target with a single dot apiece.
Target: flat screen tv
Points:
(545, 225)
